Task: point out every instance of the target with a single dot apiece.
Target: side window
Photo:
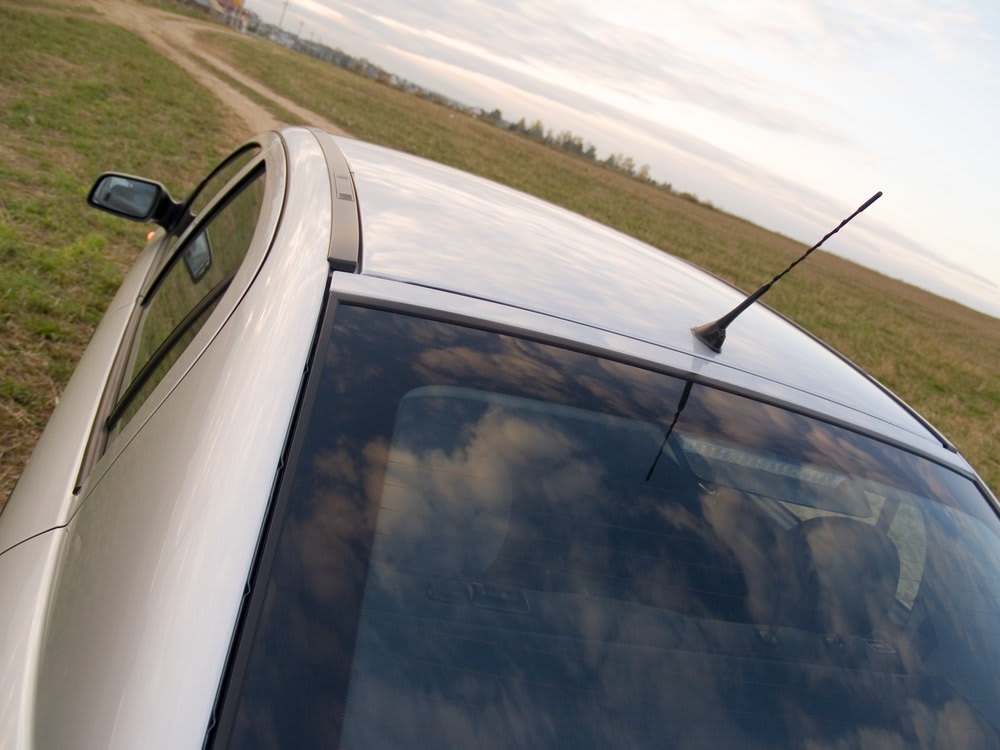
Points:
(187, 291)
(214, 183)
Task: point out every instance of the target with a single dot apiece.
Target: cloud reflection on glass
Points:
(470, 553)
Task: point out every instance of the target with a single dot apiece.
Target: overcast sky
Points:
(789, 113)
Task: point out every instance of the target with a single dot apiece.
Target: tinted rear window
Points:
(488, 542)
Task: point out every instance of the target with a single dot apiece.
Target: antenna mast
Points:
(713, 334)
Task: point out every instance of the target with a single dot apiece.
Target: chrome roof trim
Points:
(345, 241)
(938, 435)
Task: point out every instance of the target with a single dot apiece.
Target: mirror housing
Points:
(134, 198)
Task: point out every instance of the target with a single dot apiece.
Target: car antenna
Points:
(713, 334)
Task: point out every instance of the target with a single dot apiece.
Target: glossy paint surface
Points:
(433, 226)
(43, 495)
(134, 659)
(25, 575)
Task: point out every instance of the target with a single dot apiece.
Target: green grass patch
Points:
(77, 97)
(282, 114)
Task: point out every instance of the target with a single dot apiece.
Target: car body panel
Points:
(273, 155)
(134, 660)
(26, 573)
(44, 494)
(148, 626)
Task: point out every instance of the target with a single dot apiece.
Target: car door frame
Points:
(104, 443)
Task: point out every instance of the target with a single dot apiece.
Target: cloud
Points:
(767, 110)
(576, 57)
(318, 8)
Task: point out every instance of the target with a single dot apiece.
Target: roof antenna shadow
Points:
(713, 334)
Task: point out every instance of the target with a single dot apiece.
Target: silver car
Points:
(371, 453)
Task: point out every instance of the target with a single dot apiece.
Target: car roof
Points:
(434, 227)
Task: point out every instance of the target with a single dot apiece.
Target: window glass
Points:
(220, 177)
(488, 542)
(187, 291)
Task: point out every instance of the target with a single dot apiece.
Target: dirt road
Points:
(174, 37)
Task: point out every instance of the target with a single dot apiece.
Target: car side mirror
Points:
(134, 198)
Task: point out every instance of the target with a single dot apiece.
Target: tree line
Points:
(571, 143)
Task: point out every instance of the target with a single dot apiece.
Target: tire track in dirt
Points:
(174, 37)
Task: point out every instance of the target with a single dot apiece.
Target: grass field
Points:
(78, 96)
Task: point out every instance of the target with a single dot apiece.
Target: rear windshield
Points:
(482, 541)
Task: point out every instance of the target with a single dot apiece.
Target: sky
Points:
(788, 113)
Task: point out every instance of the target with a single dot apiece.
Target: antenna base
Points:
(711, 335)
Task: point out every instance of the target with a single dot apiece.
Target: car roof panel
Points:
(434, 226)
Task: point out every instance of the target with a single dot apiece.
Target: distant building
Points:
(230, 12)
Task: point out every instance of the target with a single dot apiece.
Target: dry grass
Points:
(76, 97)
